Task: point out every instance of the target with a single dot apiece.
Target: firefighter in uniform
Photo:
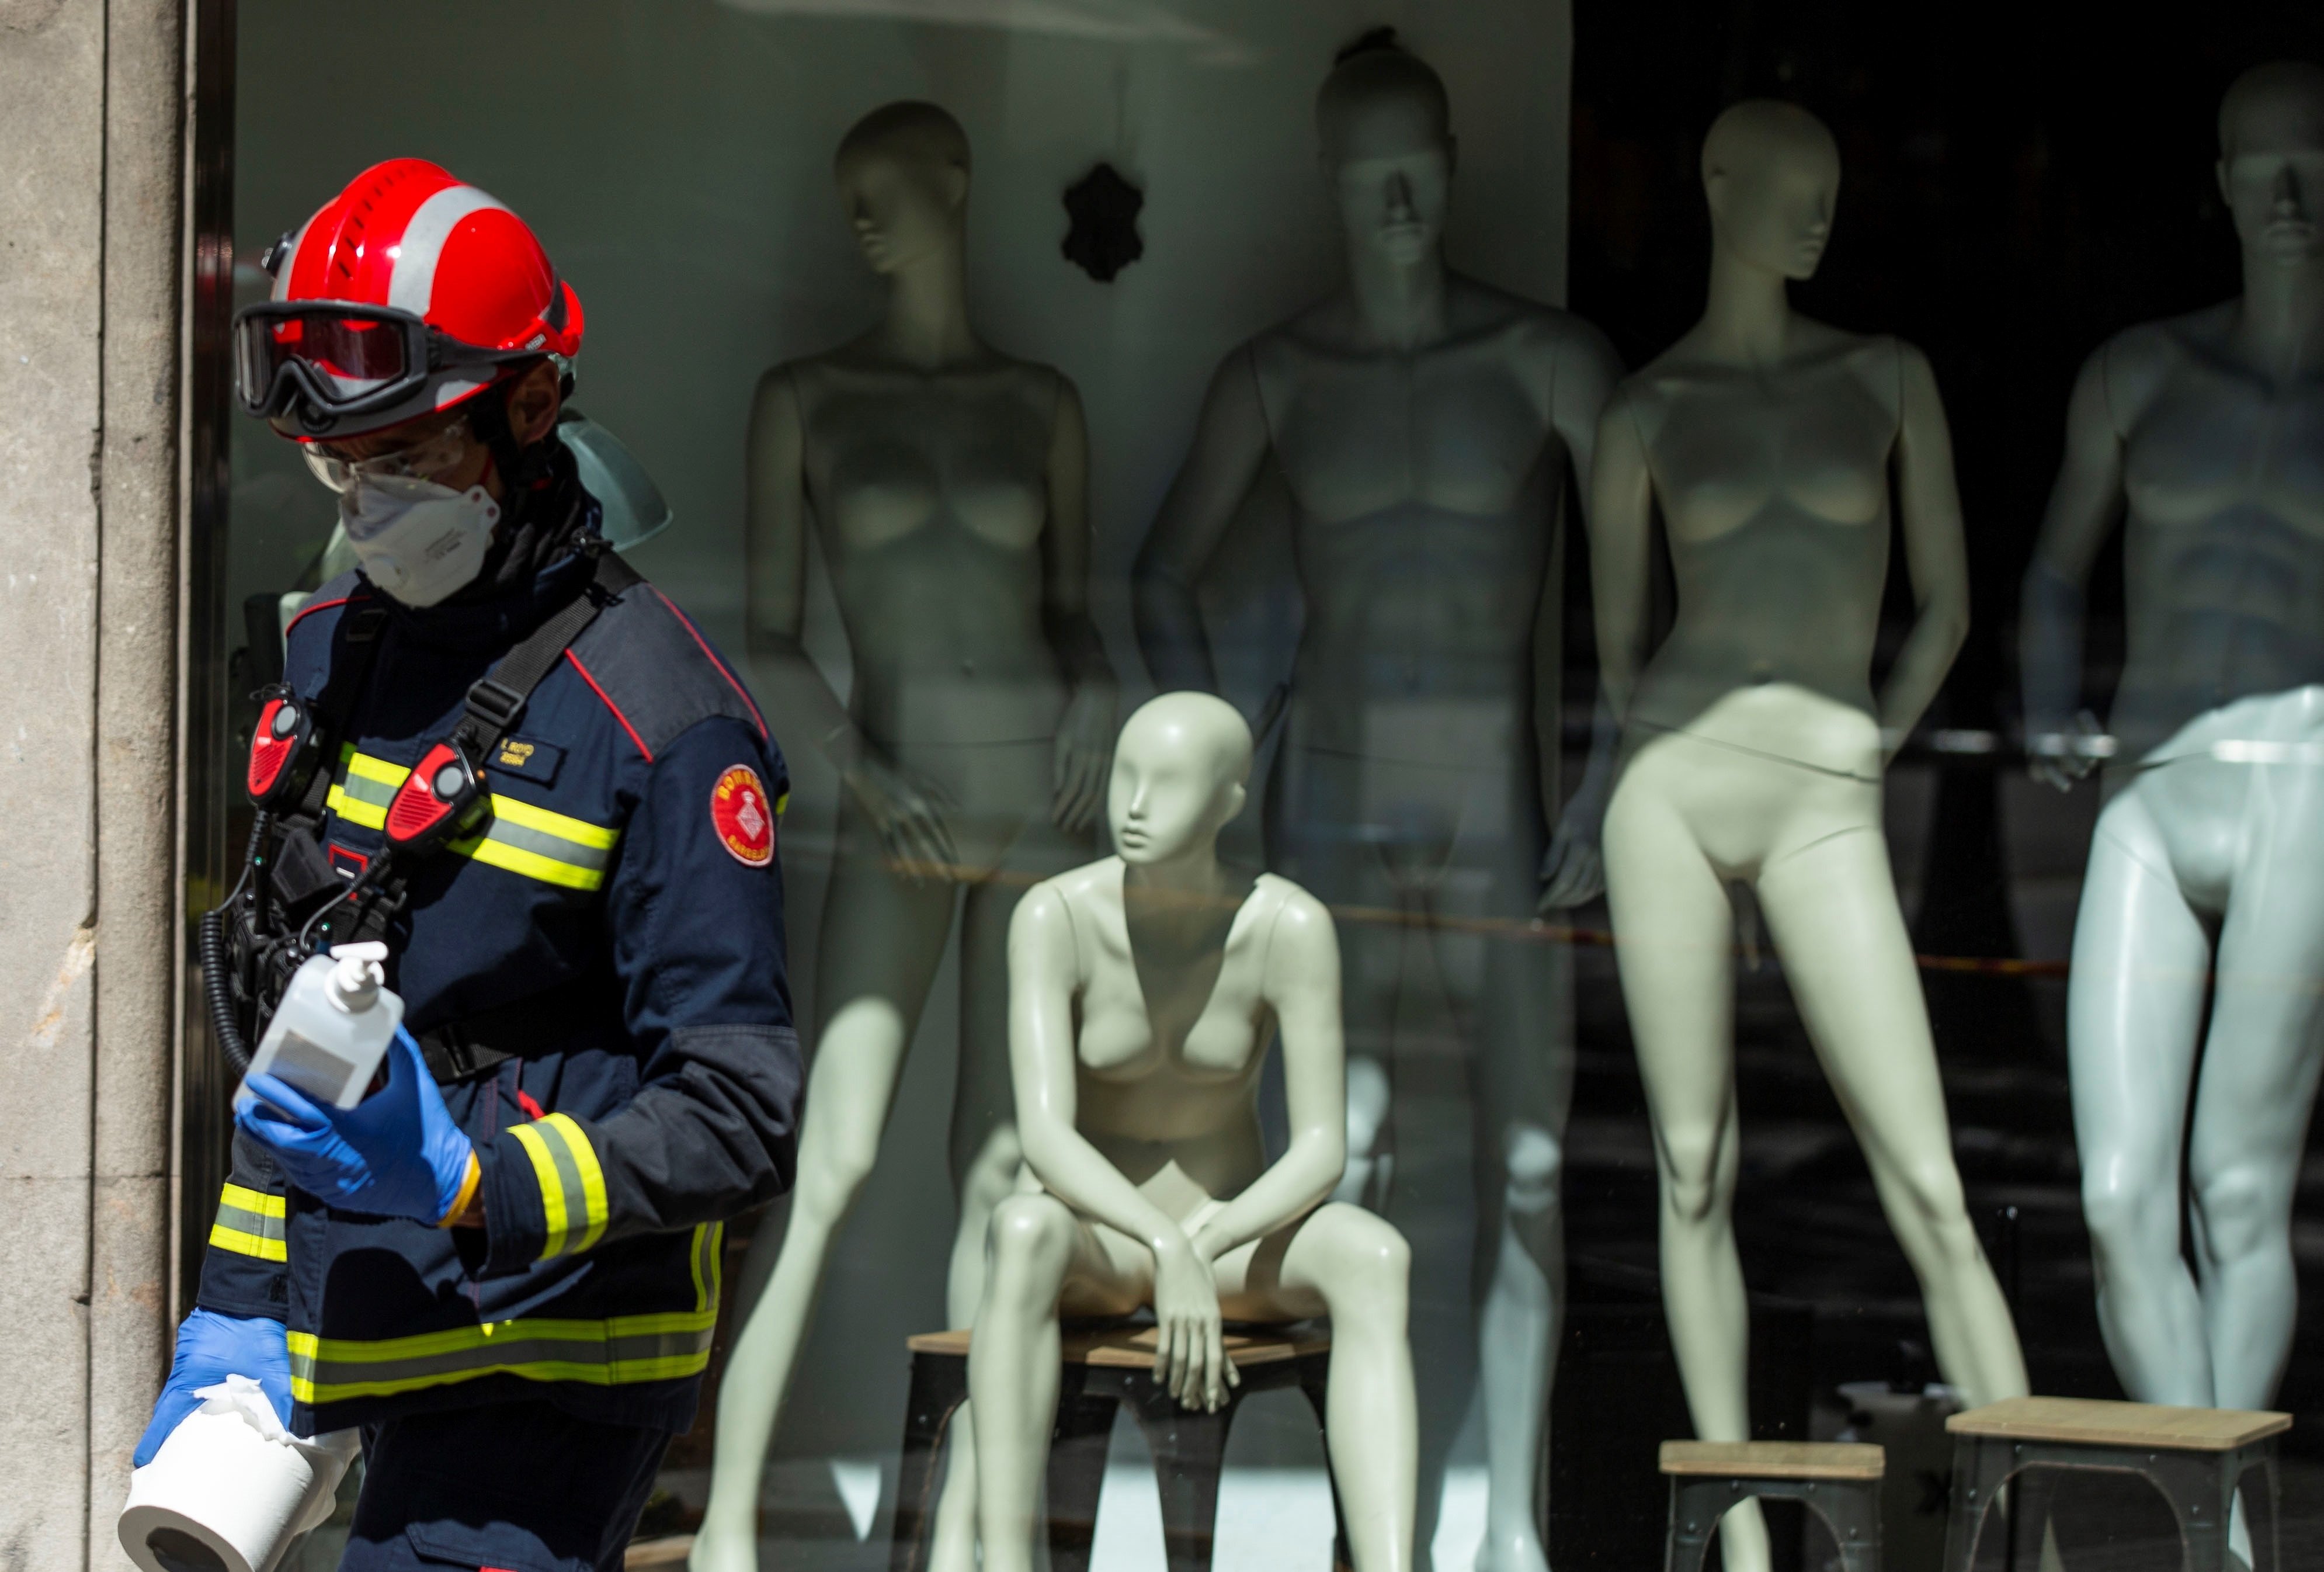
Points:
(530, 774)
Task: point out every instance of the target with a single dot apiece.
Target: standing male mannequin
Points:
(2207, 428)
(1427, 424)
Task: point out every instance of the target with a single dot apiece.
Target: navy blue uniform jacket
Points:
(628, 879)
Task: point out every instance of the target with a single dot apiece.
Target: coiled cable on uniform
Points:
(210, 949)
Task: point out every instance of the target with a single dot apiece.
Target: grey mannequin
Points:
(1427, 424)
(2206, 429)
(1143, 990)
(947, 486)
(1753, 747)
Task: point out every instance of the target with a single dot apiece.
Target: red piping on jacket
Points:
(616, 709)
(714, 660)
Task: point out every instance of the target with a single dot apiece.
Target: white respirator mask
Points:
(418, 540)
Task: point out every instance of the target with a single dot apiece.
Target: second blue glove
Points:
(397, 1153)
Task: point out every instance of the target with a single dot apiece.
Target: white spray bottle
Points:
(333, 1026)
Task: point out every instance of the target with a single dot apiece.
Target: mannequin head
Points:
(1387, 132)
(1178, 778)
(1771, 173)
(2272, 161)
(903, 179)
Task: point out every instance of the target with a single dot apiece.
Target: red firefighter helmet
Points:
(408, 293)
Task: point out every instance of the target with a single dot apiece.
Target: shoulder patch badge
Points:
(743, 817)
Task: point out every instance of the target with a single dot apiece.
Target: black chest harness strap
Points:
(291, 906)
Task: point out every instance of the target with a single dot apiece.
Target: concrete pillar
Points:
(91, 114)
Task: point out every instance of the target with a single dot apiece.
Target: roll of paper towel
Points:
(230, 1488)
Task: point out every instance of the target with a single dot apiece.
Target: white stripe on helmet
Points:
(412, 285)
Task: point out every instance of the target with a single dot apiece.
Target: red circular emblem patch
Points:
(743, 817)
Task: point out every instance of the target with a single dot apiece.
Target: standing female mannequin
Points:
(948, 485)
(2206, 428)
(1753, 747)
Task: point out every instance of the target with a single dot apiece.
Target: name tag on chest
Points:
(527, 759)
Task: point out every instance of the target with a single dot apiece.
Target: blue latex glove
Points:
(397, 1153)
(211, 1347)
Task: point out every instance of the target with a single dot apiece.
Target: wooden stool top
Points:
(1774, 1459)
(2089, 1422)
(1133, 1347)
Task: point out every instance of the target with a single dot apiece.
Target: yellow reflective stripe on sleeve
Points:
(521, 838)
(579, 831)
(572, 1183)
(552, 1187)
(242, 1243)
(593, 1177)
(250, 1200)
(249, 1223)
(616, 1352)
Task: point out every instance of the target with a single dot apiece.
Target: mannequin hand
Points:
(1190, 1359)
(398, 1154)
(1573, 869)
(1084, 753)
(908, 812)
(2059, 755)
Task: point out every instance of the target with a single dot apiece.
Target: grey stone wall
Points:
(91, 111)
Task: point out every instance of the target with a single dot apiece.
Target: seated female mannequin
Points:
(1753, 747)
(947, 483)
(1143, 989)
(2207, 429)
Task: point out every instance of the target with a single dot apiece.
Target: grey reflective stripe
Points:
(242, 1220)
(378, 793)
(542, 844)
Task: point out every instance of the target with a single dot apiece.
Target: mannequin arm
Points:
(1933, 551)
(774, 545)
(1587, 370)
(2084, 507)
(1043, 973)
(1085, 732)
(1620, 519)
(1230, 441)
(1303, 987)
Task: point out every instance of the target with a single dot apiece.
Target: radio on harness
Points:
(289, 903)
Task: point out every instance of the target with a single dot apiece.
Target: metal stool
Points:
(1839, 1482)
(2198, 1459)
(1103, 1369)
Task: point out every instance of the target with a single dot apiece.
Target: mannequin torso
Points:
(1427, 483)
(1774, 488)
(2223, 478)
(930, 491)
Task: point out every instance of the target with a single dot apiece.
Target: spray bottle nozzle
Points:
(356, 981)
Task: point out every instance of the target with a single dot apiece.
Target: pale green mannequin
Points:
(1753, 747)
(1143, 990)
(947, 487)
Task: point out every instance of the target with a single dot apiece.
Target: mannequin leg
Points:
(1523, 1088)
(1012, 1360)
(1673, 928)
(2135, 1005)
(2259, 1085)
(1347, 1262)
(881, 942)
(1831, 909)
(985, 1155)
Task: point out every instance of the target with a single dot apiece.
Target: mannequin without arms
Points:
(1143, 989)
(1753, 746)
(947, 486)
(2208, 431)
(1426, 425)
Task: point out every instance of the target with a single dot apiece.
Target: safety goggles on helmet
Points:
(321, 362)
(431, 458)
